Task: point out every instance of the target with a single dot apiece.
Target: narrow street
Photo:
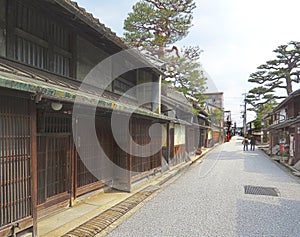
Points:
(209, 199)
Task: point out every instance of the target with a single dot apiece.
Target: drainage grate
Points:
(258, 190)
(106, 218)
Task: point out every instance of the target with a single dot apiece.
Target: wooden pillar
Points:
(72, 171)
(33, 165)
(74, 165)
(168, 142)
(130, 169)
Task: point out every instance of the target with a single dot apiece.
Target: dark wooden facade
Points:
(17, 162)
(284, 129)
(48, 48)
(43, 61)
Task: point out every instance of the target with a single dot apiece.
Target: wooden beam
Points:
(25, 35)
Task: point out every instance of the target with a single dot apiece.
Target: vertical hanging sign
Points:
(292, 145)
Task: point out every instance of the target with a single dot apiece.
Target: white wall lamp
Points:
(56, 106)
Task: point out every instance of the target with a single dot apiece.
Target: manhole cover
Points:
(258, 190)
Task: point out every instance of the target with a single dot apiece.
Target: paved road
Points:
(209, 200)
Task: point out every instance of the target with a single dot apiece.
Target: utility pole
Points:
(245, 114)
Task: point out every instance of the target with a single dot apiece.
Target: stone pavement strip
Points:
(108, 217)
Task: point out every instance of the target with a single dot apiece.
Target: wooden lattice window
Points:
(15, 158)
(37, 39)
(54, 123)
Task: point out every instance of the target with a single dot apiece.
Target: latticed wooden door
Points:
(15, 158)
(53, 157)
(53, 166)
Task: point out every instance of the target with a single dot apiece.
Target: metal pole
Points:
(245, 114)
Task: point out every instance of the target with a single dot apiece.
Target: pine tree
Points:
(158, 23)
(154, 26)
(275, 75)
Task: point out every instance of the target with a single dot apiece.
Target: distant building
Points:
(215, 109)
(186, 132)
(215, 99)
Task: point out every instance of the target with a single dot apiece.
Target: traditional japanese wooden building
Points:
(284, 128)
(186, 132)
(47, 48)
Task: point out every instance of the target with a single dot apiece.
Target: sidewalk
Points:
(282, 162)
(279, 159)
(61, 223)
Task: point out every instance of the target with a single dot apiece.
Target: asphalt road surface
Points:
(209, 199)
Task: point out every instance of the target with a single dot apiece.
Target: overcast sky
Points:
(236, 36)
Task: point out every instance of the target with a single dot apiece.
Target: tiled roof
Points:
(93, 22)
(288, 98)
(89, 19)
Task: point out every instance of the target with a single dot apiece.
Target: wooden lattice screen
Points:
(15, 158)
(105, 140)
(140, 134)
(53, 155)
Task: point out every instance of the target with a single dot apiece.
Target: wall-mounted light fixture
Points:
(56, 106)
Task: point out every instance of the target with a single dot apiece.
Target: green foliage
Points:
(257, 124)
(275, 75)
(262, 110)
(153, 26)
(216, 116)
(185, 74)
(158, 22)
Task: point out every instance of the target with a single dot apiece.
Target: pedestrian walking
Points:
(246, 143)
(252, 143)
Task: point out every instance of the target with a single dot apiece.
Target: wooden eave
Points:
(62, 89)
(286, 100)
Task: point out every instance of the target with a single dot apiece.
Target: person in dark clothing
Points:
(245, 143)
(252, 143)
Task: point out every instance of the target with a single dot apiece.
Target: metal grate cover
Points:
(258, 190)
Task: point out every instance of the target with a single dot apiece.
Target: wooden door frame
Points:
(62, 199)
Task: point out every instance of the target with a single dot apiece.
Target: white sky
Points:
(236, 36)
